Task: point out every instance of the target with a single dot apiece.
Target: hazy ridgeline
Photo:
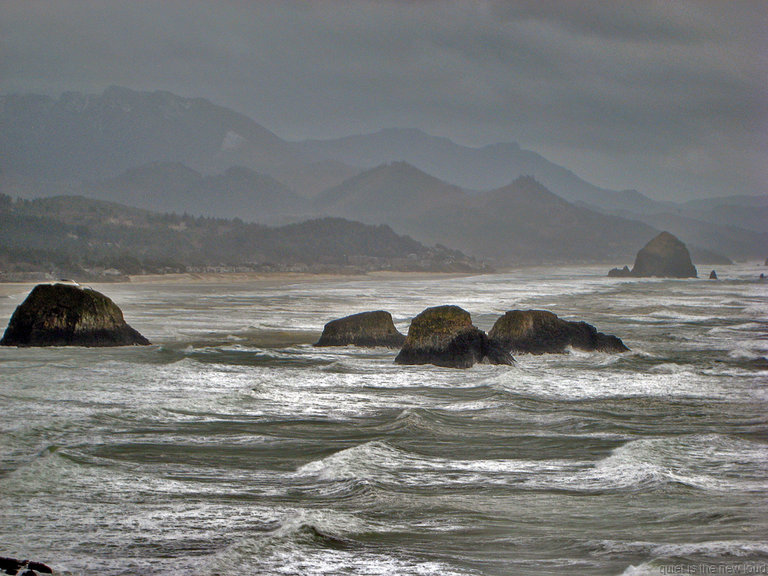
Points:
(159, 152)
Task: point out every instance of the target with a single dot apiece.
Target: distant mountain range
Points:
(161, 152)
(90, 137)
(483, 168)
(521, 223)
(173, 187)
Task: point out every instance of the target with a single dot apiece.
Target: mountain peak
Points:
(386, 192)
(395, 131)
(117, 92)
(525, 186)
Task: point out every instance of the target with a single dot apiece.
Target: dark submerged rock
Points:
(542, 332)
(713, 275)
(363, 329)
(69, 315)
(445, 336)
(12, 566)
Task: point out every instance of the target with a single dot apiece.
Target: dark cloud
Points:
(667, 97)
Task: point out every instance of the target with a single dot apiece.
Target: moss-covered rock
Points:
(363, 329)
(542, 332)
(69, 315)
(445, 336)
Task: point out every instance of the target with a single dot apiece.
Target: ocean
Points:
(233, 446)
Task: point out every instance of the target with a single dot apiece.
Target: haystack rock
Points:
(665, 257)
(445, 336)
(542, 332)
(69, 315)
(363, 329)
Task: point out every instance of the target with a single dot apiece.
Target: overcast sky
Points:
(668, 97)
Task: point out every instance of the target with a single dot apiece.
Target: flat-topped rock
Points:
(542, 332)
(69, 315)
(445, 336)
(364, 329)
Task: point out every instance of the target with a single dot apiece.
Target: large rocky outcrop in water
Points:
(445, 336)
(542, 332)
(665, 257)
(363, 329)
(69, 315)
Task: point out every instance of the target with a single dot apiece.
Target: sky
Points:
(666, 97)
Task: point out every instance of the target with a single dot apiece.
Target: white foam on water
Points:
(379, 462)
(88, 474)
(707, 462)
(561, 377)
(713, 557)
(320, 543)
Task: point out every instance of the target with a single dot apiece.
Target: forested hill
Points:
(72, 236)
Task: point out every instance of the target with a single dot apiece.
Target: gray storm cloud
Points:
(666, 97)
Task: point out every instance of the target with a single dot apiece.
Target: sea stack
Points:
(713, 275)
(445, 336)
(367, 329)
(69, 315)
(665, 257)
(542, 332)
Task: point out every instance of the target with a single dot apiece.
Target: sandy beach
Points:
(268, 279)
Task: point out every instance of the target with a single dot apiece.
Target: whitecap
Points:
(321, 543)
(706, 462)
(745, 353)
(372, 460)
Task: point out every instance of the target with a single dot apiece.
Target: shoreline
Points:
(278, 278)
(8, 289)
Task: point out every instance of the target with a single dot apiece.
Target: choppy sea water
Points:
(232, 446)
